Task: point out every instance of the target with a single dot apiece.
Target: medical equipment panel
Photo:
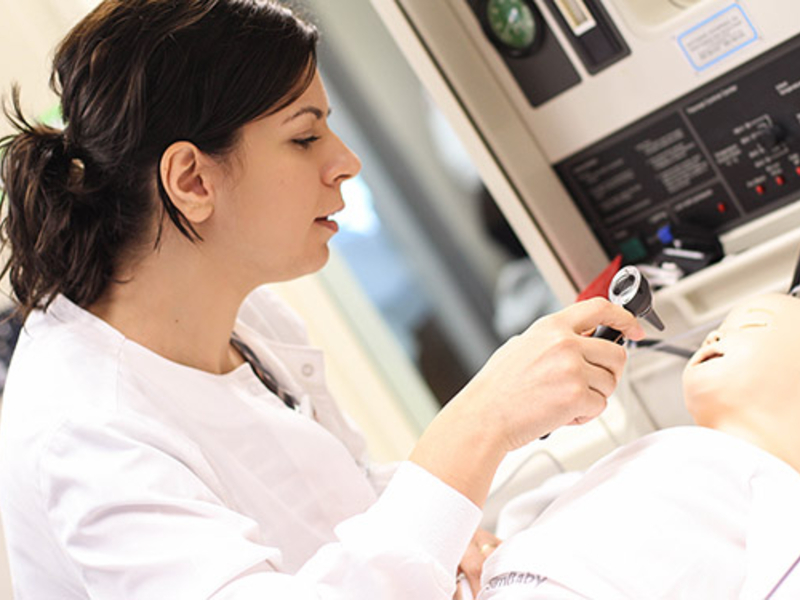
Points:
(717, 158)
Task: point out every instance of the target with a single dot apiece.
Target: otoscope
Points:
(630, 290)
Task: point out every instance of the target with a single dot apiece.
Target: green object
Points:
(513, 23)
(53, 117)
(632, 250)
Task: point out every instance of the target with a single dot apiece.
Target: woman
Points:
(166, 429)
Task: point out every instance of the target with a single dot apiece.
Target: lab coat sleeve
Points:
(138, 523)
(387, 552)
(380, 475)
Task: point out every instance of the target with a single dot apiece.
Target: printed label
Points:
(717, 37)
(514, 578)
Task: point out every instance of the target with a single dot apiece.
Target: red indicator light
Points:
(780, 180)
(721, 208)
(797, 170)
(760, 189)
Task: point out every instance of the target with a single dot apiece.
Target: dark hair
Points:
(135, 76)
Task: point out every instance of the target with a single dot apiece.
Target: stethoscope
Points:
(794, 290)
(783, 579)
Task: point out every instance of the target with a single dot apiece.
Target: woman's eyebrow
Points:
(313, 110)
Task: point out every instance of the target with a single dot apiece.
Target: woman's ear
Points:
(187, 175)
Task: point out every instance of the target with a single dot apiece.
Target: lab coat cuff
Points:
(422, 511)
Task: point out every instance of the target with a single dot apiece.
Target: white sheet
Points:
(682, 513)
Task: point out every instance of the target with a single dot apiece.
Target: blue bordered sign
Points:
(716, 38)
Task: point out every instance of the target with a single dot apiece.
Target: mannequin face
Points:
(747, 370)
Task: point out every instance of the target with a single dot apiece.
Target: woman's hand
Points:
(482, 545)
(553, 374)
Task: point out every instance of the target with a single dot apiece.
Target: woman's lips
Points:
(329, 223)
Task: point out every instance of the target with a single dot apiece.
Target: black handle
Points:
(607, 333)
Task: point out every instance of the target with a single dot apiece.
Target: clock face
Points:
(512, 24)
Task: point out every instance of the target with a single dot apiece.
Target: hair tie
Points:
(76, 166)
(77, 171)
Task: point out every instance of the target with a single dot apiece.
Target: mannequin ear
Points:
(187, 175)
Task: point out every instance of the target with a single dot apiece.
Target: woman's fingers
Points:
(481, 546)
(603, 354)
(586, 316)
(601, 381)
(582, 371)
(603, 366)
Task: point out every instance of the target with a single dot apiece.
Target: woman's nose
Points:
(346, 165)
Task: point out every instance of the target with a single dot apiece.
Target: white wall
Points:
(29, 33)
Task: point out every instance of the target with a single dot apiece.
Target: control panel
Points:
(715, 159)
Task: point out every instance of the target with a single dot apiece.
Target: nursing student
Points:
(160, 438)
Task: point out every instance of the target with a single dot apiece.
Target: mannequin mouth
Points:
(707, 355)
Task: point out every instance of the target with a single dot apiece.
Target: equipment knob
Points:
(771, 136)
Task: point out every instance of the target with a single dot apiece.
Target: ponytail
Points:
(57, 243)
(133, 77)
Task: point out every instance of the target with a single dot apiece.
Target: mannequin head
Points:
(745, 377)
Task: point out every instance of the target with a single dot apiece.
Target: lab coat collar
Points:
(299, 369)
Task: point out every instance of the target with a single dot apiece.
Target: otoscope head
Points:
(654, 320)
(631, 291)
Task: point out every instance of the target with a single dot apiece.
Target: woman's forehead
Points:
(315, 93)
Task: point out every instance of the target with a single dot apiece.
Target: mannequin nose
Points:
(712, 338)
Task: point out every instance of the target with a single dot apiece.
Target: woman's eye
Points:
(307, 141)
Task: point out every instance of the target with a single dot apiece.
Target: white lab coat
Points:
(683, 513)
(124, 476)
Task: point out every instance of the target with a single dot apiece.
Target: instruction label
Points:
(716, 38)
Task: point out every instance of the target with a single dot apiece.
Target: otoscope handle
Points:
(607, 333)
